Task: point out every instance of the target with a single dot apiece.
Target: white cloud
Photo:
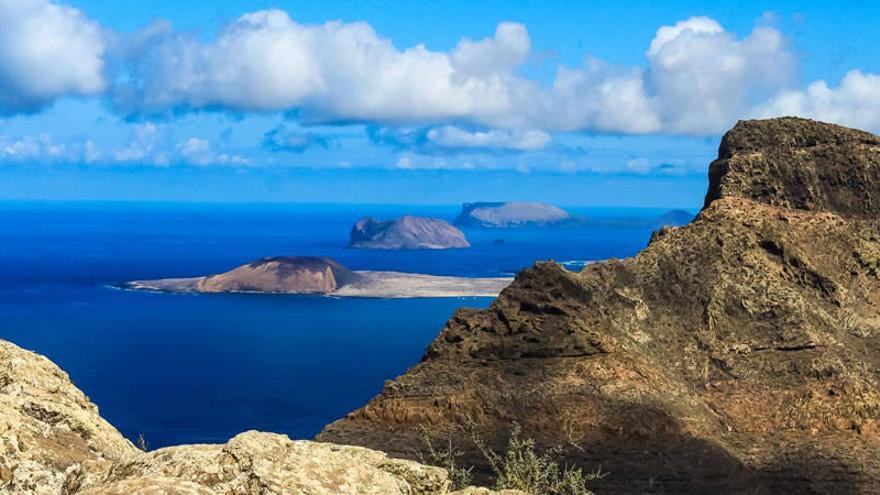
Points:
(197, 151)
(854, 102)
(47, 51)
(502, 54)
(330, 72)
(698, 80)
(414, 161)
(704, 79)
(518, 140)
(45, 148)
(602, 97)
(694, 26)
(142, 145)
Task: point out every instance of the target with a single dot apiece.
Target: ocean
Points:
(185, 368)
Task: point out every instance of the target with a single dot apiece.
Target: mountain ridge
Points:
(738, 353)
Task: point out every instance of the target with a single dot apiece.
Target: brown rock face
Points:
(739, 353)
(282, 274)
(801, 164)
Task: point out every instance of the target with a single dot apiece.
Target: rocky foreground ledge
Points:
(54, 442)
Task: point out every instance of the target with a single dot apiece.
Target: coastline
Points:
(373, 284)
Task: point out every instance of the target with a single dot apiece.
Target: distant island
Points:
(514, 214)
(324, 276)
(407, 232)
(672, 218)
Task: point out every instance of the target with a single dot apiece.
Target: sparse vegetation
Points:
(445, 457)
(142, 443)
(519, 467)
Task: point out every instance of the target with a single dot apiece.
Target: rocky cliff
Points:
(53, 442)
(513, 214)
(407, 232)
(739, 353)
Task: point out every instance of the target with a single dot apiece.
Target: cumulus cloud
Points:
(45, 148)
(47, 51)
(332, 72)
(698, 79)
(854, 102)
(198, 151)
(144, 146)
(703, 78)
(517, 140)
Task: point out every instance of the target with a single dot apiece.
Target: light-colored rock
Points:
(479, 490)
(47, 425)
(267, 463)
(53, 442)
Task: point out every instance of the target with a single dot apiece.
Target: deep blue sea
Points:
(201, 368)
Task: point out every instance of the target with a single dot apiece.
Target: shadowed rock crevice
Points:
(745, 342)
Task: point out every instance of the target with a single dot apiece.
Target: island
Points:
(324, 276)
(407, 232)
(514, 214)
(672, 218)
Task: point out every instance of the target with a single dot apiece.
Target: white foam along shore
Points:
(370, 284)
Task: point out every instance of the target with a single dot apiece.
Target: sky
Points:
(574, 103)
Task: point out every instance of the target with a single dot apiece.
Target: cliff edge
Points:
(53, 442)
(739, 353)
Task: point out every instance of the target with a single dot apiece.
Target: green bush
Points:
(447, 458)
(519, 467)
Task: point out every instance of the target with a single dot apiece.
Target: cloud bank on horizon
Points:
(697, 80)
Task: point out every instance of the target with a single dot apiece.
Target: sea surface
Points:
(181, 368)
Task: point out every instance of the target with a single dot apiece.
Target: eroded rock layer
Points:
(739, 353)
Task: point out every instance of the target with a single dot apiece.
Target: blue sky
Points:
(576, 103)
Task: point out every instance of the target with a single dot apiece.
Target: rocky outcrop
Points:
(53, 442)
(738, 353)
(254, 463)
(801, 164)
(282, 274)
(513, 214)
(407, 232)
(47, 425)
